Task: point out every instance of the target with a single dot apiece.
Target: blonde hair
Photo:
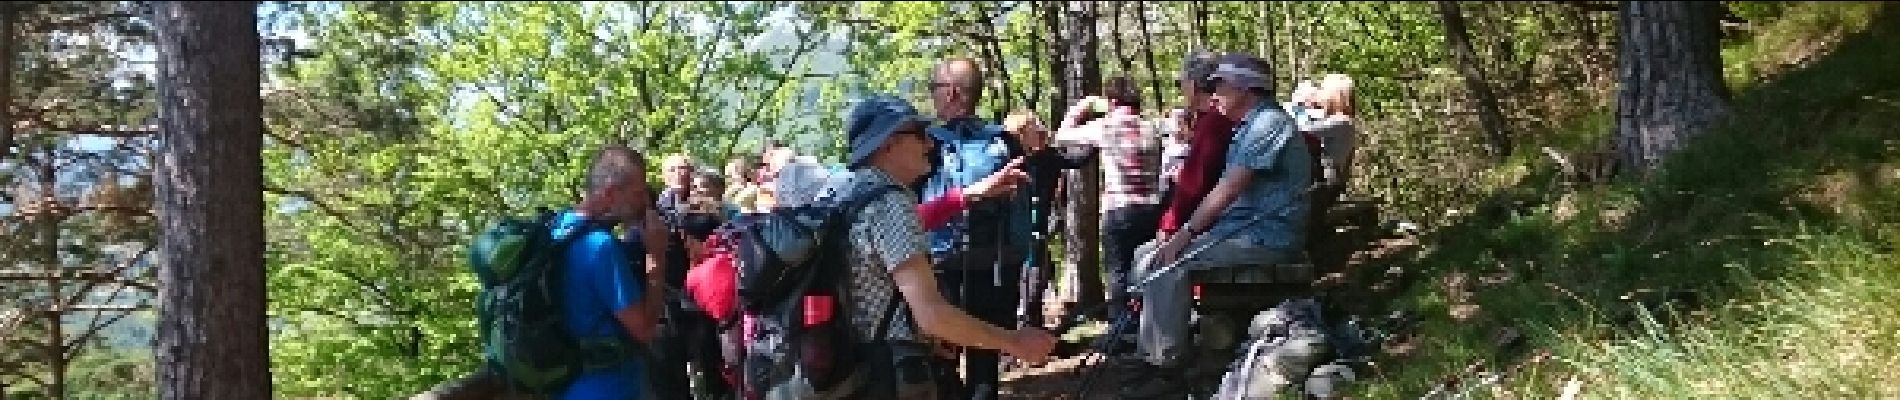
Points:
(1335, 94)
(1020, 119)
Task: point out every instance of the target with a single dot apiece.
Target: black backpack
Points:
(785, 259)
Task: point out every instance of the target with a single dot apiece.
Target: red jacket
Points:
(1207, 158)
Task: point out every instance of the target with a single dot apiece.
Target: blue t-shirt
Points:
(602, 278)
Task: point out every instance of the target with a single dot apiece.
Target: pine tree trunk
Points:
(1082, 239)
(212, 340)
(1052, 13)
(1670, 74)
(1490, 115)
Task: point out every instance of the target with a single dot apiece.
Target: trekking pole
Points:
(1032, 268)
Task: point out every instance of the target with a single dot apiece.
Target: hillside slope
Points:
(1757, 264)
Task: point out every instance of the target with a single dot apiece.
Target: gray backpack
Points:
(1286, 344)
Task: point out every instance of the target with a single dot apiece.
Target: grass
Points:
(1754, 265)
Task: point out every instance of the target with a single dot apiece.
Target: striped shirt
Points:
(1131, 157)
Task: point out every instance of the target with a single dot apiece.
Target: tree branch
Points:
(806, 45)
(388, 301)
(333, 212)
(1489, 113)
(75, 22)
(78, 295)
(724, 31)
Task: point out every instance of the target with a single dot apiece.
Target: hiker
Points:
(1335, 126)
(743, 184)
(1254, 215)
(1131, 164)
(683, 332)
(703, 215)
(705, 210)
(1175, 136)
(606, 307)
(979, 256)
(774, 156)
(1043, 164)
(1300, 105)
(676, 171)
(1209, 134)
(800, 183)
(889, 146)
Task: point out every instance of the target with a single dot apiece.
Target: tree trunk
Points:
(1155, 76)
(1670, 71)
(212, 341)
(1058, 57)
(1082, 239)
(993, 50)
(1490, 115)
(1198, 24)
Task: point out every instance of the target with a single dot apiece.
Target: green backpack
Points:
(521, 266)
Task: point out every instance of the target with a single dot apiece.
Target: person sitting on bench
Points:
(1255, 215)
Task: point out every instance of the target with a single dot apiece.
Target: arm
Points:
(937, 317)
(940, 210)
(639, 321)
(1066, 157)
(1232, 182)
(653, 236)
(893, 240)
(1001, 183)
(611, 277)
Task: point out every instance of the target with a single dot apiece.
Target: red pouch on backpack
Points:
(713, 283)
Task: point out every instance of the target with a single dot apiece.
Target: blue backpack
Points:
(969, 150)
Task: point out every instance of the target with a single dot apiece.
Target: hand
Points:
(1000, 183)
(1170, 249)
(1030, 133)
(1030, 345)
(945, 350)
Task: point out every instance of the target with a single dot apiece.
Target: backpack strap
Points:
(890, 313)
(851, 207)
(597, 352)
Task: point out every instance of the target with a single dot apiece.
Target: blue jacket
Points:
(969, 150)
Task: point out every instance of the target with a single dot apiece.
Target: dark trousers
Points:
(976, 291)
(1124, 229)
(686, 335)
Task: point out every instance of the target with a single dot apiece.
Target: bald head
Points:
(955, 88)
(615, 165)
(616, 185)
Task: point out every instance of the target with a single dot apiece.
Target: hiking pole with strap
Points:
(1031, 280)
